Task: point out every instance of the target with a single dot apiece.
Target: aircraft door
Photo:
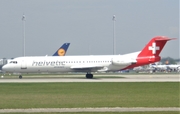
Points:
(23, 65)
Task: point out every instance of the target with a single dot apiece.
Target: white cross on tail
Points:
(154, 48)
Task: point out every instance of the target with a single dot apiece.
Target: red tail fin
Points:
(155, 46)
(151, 51)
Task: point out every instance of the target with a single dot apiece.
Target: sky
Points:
(87, 25)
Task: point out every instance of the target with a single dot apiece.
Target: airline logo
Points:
(154, 48)
(48, 63)
(61, 52)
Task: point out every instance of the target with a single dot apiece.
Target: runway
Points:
(98, 78)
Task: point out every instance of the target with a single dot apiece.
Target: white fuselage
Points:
(161, 67)
(70, 63)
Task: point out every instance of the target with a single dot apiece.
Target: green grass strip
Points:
(159, 112)
(104, 94)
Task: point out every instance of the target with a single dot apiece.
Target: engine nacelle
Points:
(123, 61)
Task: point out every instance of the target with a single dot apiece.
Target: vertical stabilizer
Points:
(150, 53)
(155, 46)
(62, 50)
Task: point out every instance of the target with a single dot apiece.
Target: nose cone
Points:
(5, 68)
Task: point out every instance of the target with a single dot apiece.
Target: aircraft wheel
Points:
(20, 77)
(89, 76)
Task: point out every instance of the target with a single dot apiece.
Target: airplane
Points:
(62, 50)
(169, 67)
(144, 69)
(159, 67)
(97, 63)
(174, 67)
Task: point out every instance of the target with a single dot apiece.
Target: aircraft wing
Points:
(87, 67)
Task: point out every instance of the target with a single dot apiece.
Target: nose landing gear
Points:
(20, 76)
(89, 75)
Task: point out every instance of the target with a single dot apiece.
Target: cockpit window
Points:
(14, 62)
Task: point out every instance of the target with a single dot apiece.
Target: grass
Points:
(159, 112)
(105, 94)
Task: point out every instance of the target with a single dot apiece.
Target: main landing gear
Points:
(89, 75)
